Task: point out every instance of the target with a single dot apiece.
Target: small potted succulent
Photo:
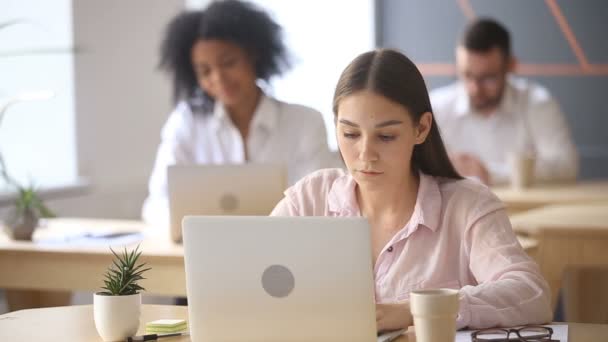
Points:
(116, 309)
(25, 215)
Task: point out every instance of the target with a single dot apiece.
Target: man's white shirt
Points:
(283, 133)
(528, 120)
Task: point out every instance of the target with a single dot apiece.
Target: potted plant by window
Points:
(116, 310)
(28, 208)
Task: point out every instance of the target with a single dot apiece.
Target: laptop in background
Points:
(243, 189)
(279, 279)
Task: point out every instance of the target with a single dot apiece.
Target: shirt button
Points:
(390, 249)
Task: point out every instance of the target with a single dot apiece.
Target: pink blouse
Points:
(459, 236)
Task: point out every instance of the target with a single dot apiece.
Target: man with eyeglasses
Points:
(489, 116)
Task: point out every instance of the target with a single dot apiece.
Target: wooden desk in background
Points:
(30, 266)
(549, 194)
(27, 265)
(575, 234)
(62, 267)
(75, 323)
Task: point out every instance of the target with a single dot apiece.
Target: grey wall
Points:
(427, 31)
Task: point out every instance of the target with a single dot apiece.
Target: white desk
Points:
(75, 323)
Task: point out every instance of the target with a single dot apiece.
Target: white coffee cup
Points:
(522, 170)
(434, 312)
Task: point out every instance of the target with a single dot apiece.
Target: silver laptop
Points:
(244, 189)
(279, 279)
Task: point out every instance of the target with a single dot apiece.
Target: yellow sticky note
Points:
(166, 326)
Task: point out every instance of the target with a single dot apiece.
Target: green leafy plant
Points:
(27, 203)
(122, 277)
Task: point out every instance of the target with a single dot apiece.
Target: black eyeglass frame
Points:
(539, 337)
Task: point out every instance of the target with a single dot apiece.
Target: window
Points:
(37, 138)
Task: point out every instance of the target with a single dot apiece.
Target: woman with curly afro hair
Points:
(217, 58)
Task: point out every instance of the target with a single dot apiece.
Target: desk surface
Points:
(548, 194)
(36, 266)
(75, 323)
(65, 266)
(570, 218)
(568, 235)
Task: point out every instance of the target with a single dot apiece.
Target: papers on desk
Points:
(391, 335)
(560, 333)
(98, 238)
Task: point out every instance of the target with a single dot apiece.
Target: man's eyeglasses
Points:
(486, 81)
(524, 334)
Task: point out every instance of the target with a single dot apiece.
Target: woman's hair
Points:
(391, 74)
(234, 21)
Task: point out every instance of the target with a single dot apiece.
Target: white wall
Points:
(122, 100)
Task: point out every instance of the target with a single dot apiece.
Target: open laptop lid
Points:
(244, 189)
(279, 279)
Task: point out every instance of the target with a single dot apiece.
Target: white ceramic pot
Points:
(116, 317)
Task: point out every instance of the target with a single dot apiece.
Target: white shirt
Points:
(284, 133)
(528, 120)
